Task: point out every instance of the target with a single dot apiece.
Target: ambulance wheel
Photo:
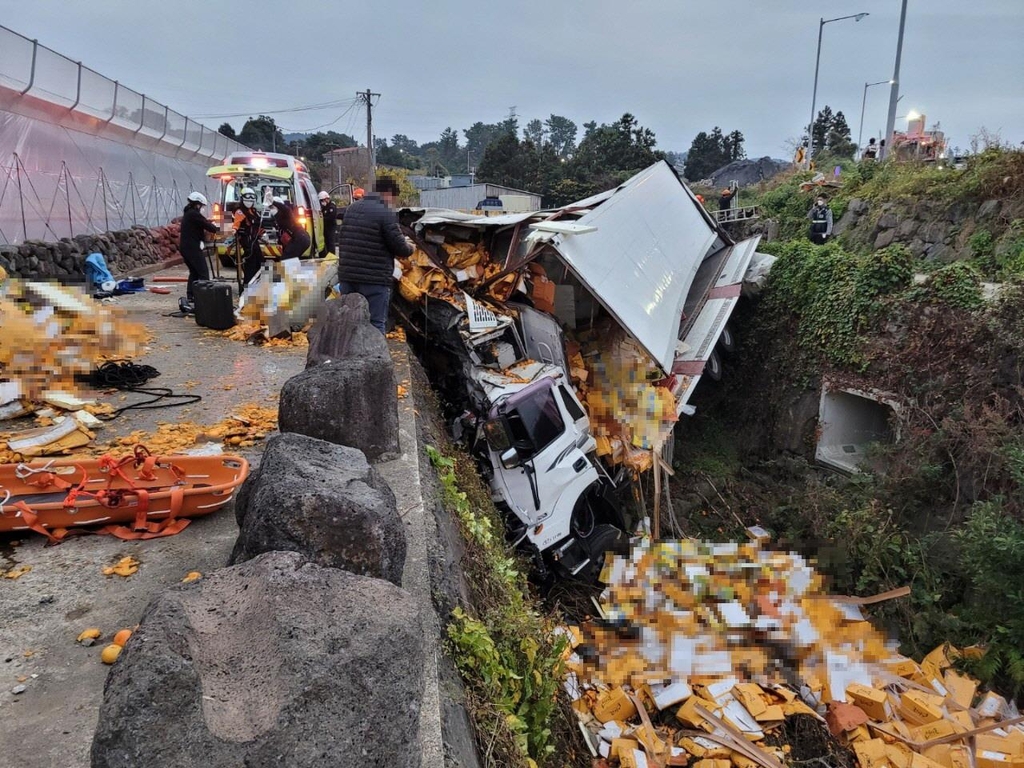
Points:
(604, 539)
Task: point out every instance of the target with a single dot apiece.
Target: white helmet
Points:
(248, 197)
(278, 200)
(197, 197)
(324, 196)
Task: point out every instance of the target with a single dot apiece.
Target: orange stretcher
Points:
(139, 496)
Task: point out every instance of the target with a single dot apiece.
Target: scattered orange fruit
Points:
(126, 566)
(89, 634)
(191, 576)
(110, 653)
(122, 637)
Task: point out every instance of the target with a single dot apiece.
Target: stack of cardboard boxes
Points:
(704, 651)
(52, 333)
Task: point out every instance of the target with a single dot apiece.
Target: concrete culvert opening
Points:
(851, 423)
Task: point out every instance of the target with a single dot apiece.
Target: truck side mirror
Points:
(510, 459)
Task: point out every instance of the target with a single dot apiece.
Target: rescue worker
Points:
(725, 201)
(293, 236)
(358, 193)
(330, 212)
(370, 242)
(870, 151)
(191, 245)
(821, 221)
(247, 235)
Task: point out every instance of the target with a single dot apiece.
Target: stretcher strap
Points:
(111, 498)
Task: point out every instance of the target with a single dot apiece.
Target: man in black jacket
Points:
(191, 245)
(370, 242)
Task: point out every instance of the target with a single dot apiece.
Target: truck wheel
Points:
(713, 367)
(604, 539)
(727, 342)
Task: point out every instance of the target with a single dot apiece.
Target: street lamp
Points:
(817, 62)
(863, 103)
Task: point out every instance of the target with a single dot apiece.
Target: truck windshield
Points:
(539, 422)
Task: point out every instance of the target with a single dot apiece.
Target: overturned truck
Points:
(567, 344)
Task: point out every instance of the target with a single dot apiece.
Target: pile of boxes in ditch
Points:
(703, 652)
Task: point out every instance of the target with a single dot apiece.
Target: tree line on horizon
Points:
(544, 156)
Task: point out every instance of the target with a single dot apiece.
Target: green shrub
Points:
(508, 655)
(982, 248)
(992, 558)
(957, 284)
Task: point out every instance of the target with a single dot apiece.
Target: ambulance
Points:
(269, 175)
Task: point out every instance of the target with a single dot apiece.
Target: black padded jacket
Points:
(370, 240)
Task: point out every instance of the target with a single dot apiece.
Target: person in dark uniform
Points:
(191, 245)
(293, 236)
(247, 233)
(330, 211)
(821, 221)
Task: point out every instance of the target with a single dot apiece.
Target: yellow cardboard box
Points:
(920, 761)
(687, 713)
(918, 708)
(873, 701)
(902, 666)
(961, 687)
(871, 753)
(614, 704)
(941, 754)
(899, 755)
(949, 755)
(935, 730)
(622, 745)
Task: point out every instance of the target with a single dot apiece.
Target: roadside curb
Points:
(160, 266)
(403, 475)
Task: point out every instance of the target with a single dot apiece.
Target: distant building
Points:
(351, 164)
(423, 183)
(468, 198)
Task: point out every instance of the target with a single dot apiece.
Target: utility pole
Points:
(367, 98)
(890, 123)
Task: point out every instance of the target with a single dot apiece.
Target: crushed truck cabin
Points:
(567, 343)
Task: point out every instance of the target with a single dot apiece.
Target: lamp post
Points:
(890, 124)
(863, 104)
(817, 63)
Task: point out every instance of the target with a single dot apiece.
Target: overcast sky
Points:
(680, 66)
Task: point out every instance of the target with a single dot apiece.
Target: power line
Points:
(306, 108)
(351, 107)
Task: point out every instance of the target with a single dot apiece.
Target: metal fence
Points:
(80, 152)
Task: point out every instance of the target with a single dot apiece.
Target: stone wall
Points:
(125, 251)
(931, 229)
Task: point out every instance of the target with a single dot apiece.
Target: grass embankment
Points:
(502, 643)
(994, 247)
(947, 514)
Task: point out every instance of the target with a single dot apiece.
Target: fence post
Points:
(113, 107)
(78, 91)
(67, 193)
(103, 183)
(21, 196)
(131, 191)
(32, 76)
